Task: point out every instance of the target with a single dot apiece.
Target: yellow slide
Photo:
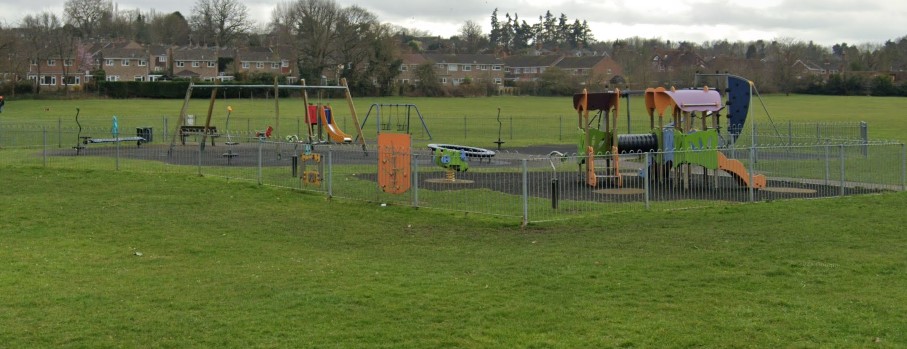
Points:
(330, 126)
(738, 171)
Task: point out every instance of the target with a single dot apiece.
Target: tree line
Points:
(325, 38)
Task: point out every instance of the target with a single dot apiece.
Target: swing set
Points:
(397, 116)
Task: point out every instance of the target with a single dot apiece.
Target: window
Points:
(48, 80)
(138, 78)
(259, 65)
(275, 65)
(51, 62)
(496, 67)
(245, 65)
(34, 62)
(517, 70)
(609, 71)
(72, 80)
(497, 81)
(467, 68)
(109, 63)
(404, 67)
(452, 67)
(180, 64)
(284, 63)
(405, 81)
(67, 62)
(195, 64)
(143, 62)
(443, 80)
(125, 63)
(162, 59)
(113, 78)
(211, 64)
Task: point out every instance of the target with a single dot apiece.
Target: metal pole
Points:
(903, 167)
(841, 147)
(116, 137)
(261, 143)
(864, 137)
(560, 128)
(200, 146)
(44, 151)
(464, 127)
(648, 173)
(525, 193)
(415, 178)
(330, 175)
(827, 164)
(59, 132)
(752, 173)
(790, 133)
(511, 128)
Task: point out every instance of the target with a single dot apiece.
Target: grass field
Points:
(525, 120)
(102, 259)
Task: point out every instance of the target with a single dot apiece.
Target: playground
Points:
(693, 147)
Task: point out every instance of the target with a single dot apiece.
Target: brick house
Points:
(124, 61)
(595, 70)
(260, 60)
(452, 69)
(54, 72)
(528, 68)
(195, 63)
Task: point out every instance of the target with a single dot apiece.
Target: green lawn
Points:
(473, 121)
(104, 259)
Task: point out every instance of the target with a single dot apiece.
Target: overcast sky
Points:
(825, 22)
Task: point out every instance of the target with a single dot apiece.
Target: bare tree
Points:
(38, 31)
(471, 35)
(171, 29)
(220, 21)
(86, 14)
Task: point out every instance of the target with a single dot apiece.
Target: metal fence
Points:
(528, 187)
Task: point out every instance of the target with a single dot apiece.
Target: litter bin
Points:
(144, 132)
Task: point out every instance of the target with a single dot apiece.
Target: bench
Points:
(88, 139)
(186, 131)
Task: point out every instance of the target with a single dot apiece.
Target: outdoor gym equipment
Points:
(500, 126)
(230, 154)
(83, 141)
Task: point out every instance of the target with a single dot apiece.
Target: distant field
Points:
(525, 120)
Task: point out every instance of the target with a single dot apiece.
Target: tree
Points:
(220, 22)
(171, 29)
(428, 85)
(86, 15)
(495, 35)
(471, 34)
(38, 31)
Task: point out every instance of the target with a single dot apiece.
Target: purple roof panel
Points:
(696, 100)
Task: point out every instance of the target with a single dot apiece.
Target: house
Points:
(595, 70)
(528, 68)
(54, 72)
(676, 60)
(124, 61)
(454, 69)
(159, 64)
(260, 60)
(195, 63)
(804, 68)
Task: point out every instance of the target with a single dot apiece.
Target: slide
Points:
(330, 126)
(738, 171)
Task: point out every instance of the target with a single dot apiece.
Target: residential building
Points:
(593, 70)
(528, 68)
(195, 63)
(124, 61)
(53, 72)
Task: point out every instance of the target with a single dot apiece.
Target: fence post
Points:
(903, 167)
(790, 133)
(525, 193)
(330, 175)
(752, 190)
(116, 137)
(511, 128)
(827, 164)
(165, 128)
(560, 128)
(44, 146)
(59, 132)
(415, 178)
(261, 143)
(864, 137)
(646, 178)
(841, 147)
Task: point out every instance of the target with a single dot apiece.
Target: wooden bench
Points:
(186, 131)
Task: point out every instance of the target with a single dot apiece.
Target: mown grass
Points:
(525, 120)
(103, 259)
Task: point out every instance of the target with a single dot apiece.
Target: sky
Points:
(825, 22)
